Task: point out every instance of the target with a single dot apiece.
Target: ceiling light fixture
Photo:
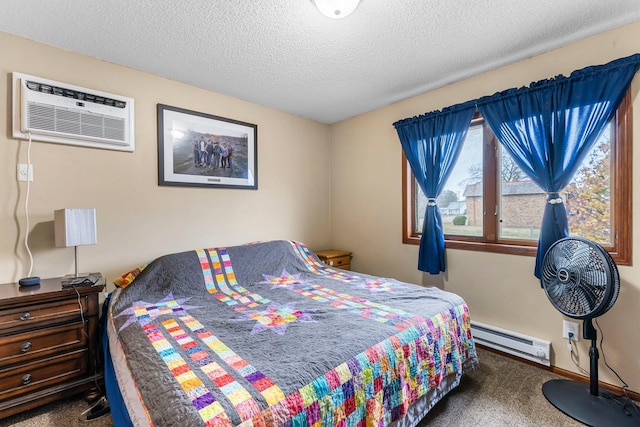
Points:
(336, 8)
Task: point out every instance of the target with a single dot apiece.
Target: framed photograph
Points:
(201, 150)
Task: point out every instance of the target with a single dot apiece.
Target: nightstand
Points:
(334, 258)
(49, 343)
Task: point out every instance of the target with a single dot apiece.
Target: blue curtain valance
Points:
(587, 75)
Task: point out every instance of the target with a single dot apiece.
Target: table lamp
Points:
(75, 227)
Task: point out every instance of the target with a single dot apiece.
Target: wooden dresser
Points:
(335, 258)
(48, 343)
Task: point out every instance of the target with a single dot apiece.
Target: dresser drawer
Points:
(49, 343)
(26, 346)
(23, 318)
(340, 262)
(335, 258)
(42, 373)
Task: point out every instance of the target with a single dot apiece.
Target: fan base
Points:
(575, 399)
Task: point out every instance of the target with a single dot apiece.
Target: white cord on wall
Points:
(26, 206)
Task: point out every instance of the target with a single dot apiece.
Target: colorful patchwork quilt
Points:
(265, 334)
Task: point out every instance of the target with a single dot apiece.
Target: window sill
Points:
(515, 248)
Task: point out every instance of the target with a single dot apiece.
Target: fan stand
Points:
(582, 402)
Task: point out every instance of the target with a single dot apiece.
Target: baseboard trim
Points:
(565, 373)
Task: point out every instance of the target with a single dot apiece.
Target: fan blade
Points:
(589, 296)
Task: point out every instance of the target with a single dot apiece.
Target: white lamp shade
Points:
(75, 227)
(336, 8)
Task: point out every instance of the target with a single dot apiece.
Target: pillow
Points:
(126, 279)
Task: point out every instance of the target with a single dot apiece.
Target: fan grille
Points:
(580, 278)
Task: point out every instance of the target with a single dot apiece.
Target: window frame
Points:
(621, 178)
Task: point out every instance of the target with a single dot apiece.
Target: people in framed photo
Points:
(199, 149)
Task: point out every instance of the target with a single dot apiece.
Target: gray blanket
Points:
(266, 334)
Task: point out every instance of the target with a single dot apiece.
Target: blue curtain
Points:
(432, 144)
(550, 126)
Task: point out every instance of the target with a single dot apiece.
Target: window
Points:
(489, 204)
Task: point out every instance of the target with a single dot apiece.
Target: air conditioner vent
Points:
(57, 112)
(68, 93)
(41, 117)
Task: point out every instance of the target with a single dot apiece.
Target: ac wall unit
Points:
(58, 112)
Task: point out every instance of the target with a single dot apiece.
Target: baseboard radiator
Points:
(524, 346)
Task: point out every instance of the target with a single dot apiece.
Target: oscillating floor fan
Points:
(581, 280)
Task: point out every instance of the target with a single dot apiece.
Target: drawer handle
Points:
(25, 316)
(25, 347)
(339, 262)
(26, 379)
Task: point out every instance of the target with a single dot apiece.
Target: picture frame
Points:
(202, 150)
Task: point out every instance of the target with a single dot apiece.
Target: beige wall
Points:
(500, 289)
(137, 219)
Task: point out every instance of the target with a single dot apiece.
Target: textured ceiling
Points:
(286, 55)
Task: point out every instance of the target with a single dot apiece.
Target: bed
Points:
(265, 334)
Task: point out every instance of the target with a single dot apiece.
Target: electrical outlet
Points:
(25, 171)
(570, 327)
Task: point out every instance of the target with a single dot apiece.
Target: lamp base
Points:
(71, 280)
(575, 399)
